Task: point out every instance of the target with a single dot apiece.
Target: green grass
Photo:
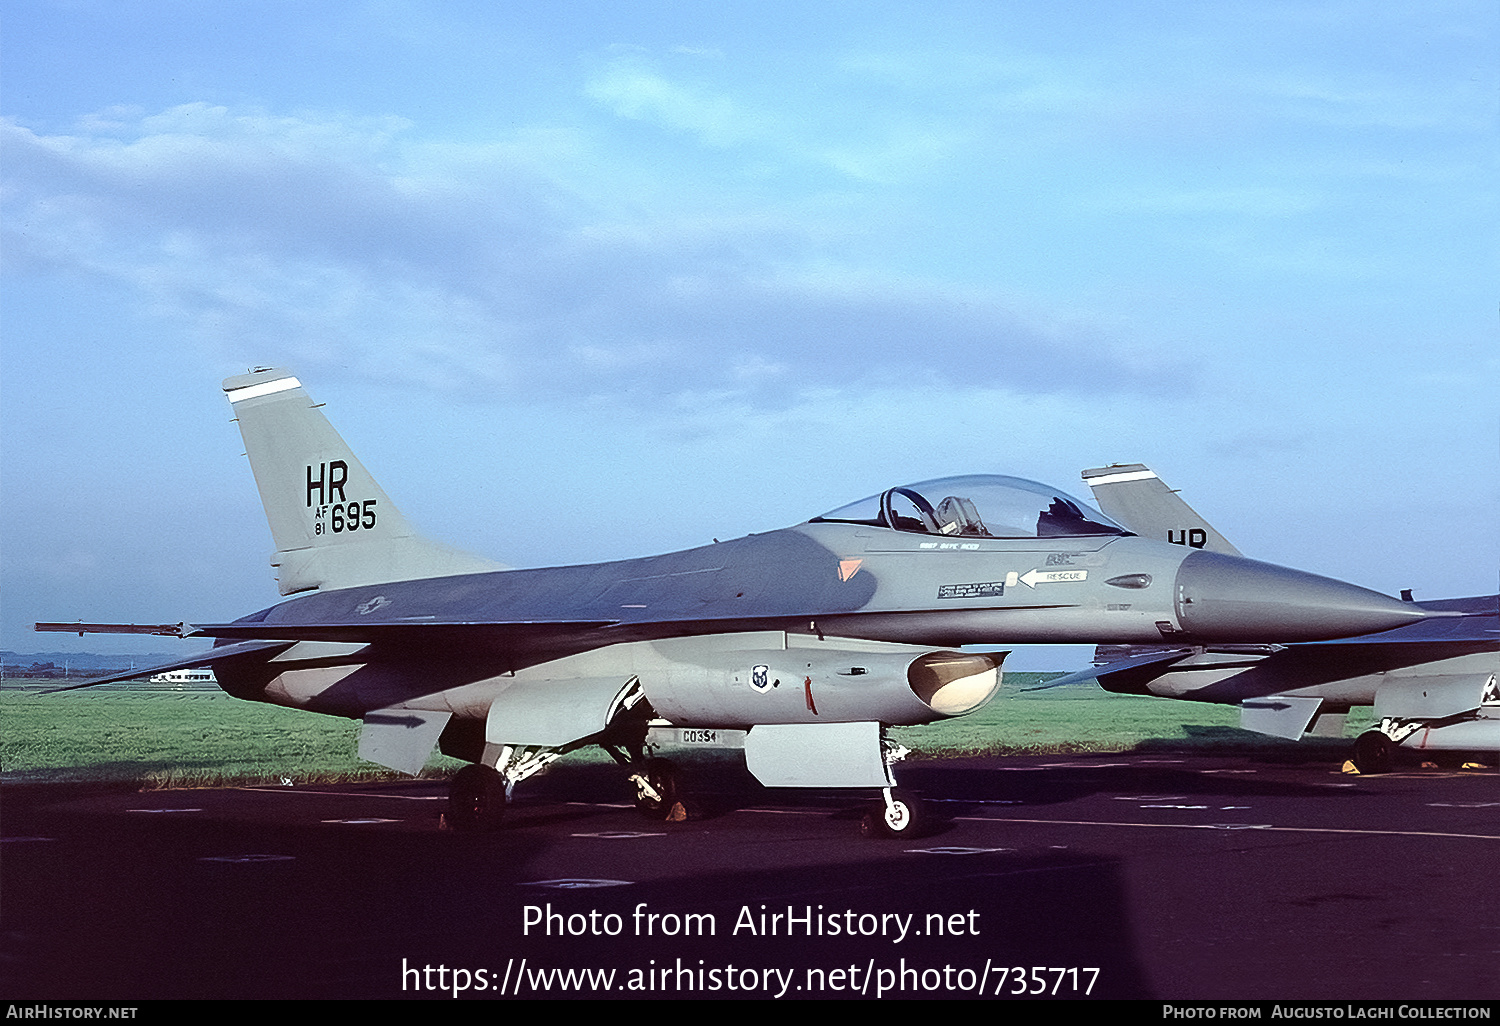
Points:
(206, 738)
(172, 739)
(1084, 718)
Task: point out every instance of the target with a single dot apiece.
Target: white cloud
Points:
(335, 239)
(632, 89)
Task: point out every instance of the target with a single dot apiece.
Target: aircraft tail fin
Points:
(332, 524)
(1133, 495)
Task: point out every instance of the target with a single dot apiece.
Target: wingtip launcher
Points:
(169, 630)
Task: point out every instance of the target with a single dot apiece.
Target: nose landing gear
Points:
(900, 815)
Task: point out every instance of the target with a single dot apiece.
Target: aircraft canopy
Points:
(977, 506)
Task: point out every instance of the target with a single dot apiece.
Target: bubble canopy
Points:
(977, 506)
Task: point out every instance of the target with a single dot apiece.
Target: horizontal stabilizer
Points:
(1095, 672)
(220, 654)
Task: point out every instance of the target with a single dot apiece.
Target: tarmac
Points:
(1159, 874)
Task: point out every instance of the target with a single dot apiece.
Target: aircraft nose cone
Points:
(1229, 598)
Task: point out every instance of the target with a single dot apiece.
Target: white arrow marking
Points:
(1033, 577)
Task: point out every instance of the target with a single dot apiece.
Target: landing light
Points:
(954, 683)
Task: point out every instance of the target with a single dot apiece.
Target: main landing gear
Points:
(478, 793)
(658, 791)
(476, 799)
(1373, 752)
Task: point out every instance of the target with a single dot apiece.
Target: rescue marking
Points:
(1033, 577)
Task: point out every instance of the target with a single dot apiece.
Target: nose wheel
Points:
(900, 815)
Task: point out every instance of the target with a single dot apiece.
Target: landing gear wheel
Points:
(657, 796)
(476, 799)
(1373, 752)
(901, 816)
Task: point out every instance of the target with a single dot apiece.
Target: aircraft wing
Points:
(527, 638)
(389, 630)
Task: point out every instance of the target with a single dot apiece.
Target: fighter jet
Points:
(800, 646)
(1432, 683)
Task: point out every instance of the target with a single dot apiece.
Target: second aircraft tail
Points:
(1133, 495)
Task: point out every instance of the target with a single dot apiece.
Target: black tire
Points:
(1373, 752)
(476, 800)
(902, 818)
(664, 779)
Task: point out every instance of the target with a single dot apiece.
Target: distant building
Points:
(179, 678)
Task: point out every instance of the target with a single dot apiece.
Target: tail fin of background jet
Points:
(332, 524)
(1133, 495)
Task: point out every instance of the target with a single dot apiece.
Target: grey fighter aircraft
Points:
(800, 646)
(1432, 682)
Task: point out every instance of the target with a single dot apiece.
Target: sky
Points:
(581, 281)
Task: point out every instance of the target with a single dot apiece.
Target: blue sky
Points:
(582, 281)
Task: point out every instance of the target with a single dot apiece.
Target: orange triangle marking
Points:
(848, 568)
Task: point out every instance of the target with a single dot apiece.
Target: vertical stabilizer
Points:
(332, 524)
(1133, 495)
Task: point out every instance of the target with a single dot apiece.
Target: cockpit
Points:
(977, 506)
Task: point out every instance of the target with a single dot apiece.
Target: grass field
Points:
(204, 738)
